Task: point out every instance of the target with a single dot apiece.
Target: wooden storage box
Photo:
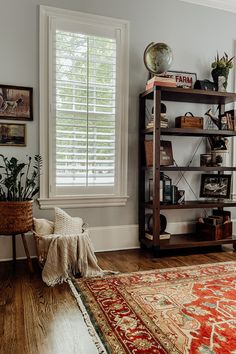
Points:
(189, 122)
(213, 232)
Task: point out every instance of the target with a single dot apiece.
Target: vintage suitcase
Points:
(189, 121)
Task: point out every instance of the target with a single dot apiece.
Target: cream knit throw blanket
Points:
(69, 255)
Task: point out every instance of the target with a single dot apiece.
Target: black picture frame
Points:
(16, 103)
(12, 134)
(215, 186)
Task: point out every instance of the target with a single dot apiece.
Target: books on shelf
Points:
(160, 81)
(164, 123)
(163, 236)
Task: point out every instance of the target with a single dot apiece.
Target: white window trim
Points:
(45, 199)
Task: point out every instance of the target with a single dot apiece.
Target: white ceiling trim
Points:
(226, 5)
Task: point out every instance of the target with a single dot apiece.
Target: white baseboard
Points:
(113, 238)
(104, 238)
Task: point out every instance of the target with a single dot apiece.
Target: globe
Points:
(158, 57)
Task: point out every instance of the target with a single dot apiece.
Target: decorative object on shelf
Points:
(164, 123)
(166, 154)
(189, 121)
(206, 160)
(215, 227)
(220, 72)
(12, 134)
(16, 102)
(218, 143)
(158, 57)
(215, 186)
(181, 196)
(219, 150)
(220, 158)
(205, 85)
(165, 185)
(149, 222)
(149, 227)
(224, 124)
(183, 79)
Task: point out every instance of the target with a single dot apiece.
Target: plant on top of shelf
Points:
(19, 181)
(221, 67)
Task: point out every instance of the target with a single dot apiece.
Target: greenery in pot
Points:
(19, 181)
(221, 67)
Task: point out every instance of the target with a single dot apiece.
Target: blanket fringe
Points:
(91, 330)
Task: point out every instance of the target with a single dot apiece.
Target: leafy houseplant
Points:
(19, 183)
(221, 67)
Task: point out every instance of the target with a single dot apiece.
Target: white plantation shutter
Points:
(85, 109)
(88, 110)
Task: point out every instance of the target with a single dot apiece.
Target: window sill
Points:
(82, 202)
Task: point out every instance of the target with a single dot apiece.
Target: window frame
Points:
(47, 198)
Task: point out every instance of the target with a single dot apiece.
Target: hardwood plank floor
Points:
(36, 319)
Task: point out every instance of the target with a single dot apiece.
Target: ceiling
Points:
(226, 5)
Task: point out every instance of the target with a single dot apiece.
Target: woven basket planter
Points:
(16, 217)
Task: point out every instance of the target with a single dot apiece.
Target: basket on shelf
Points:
(16, 217)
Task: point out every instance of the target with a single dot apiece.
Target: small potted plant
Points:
(19, 184)
(221, 67)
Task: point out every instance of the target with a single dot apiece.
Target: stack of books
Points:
(160, 81)
(163, 236)
(163, 124)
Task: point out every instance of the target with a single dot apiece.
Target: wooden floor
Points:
(36, 319)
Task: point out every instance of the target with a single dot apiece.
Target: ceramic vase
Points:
(220, 78)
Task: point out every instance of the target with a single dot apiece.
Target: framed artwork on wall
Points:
(12, 134)
(16, 102)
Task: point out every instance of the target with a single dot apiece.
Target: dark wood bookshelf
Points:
(192, 168)
(192, 132)
(195, 204)
(197, 168)
(175, 94)
(190, 240)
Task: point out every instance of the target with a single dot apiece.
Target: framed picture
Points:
(166, 154)
(16, 102)
(183, 79)
(12, 134)
(215, 186)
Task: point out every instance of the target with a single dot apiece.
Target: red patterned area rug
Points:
(178, 310)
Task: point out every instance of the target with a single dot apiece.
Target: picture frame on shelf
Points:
(183, 79)
(12, 134)
(16, 103)
(166, 153)
(215, 186)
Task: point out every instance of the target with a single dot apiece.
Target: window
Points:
(83, 108)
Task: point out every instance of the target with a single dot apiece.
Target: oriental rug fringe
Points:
(177, 310)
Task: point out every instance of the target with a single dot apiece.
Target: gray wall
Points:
(194, 33)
